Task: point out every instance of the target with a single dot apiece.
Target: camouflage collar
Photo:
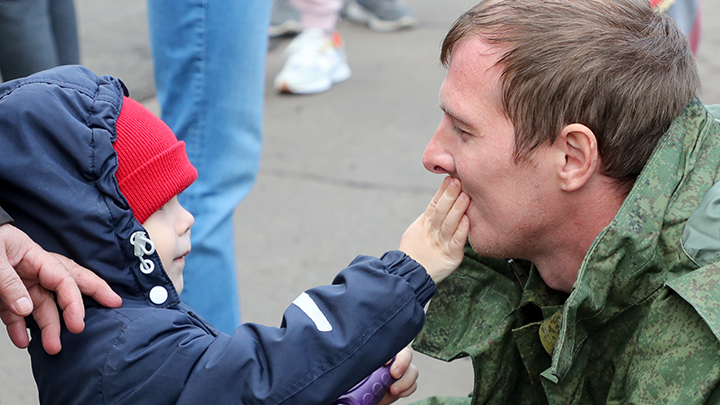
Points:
(641, 249)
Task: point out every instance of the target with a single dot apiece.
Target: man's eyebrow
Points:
(454, 116)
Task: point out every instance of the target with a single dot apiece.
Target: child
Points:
(93, 175)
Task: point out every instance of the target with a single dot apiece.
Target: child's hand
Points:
(437, 238)
(406, 374)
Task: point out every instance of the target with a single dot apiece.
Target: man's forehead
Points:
(476, 55)
(472, 72)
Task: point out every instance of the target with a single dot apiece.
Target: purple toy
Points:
(370, 390)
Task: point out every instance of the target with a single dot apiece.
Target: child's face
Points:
(169, 228)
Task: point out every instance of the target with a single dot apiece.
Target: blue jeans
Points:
(209, 58)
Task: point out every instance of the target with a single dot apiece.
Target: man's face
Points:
(511, 202)
(169, 229)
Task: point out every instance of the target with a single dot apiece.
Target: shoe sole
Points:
(358, 14)
(339, 74)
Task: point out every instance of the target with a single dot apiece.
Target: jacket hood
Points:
(57, 176)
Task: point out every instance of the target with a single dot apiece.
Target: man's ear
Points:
(579, 146)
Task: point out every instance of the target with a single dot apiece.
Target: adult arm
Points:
(29, 275)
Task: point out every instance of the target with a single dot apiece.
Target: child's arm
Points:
(437, 238)
(330, 338)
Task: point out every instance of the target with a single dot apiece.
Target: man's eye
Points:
(461, 132)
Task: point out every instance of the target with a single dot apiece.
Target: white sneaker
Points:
(315, 61)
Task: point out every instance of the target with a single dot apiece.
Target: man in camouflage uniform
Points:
(574, 127)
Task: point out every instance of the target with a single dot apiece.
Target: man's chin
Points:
(483, 248)
(486, 248)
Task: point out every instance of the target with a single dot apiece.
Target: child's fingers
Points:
(406, 375)
(407, 384)
(458, 239)
(445, 203)
(389, 397)
(452, 219)
(404, 371)
(401, 362)
(434, 201)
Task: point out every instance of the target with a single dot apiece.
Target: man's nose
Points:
(436, 158)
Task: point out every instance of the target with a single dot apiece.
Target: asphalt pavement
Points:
(341, 172)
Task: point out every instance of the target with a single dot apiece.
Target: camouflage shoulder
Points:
(473, 306)
(701, 289)
(672, 358)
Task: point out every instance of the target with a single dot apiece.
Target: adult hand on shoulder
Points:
(437, 238)
(29, 275)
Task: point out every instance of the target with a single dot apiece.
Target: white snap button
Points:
(158, 295)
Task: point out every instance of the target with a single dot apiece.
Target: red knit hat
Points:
(153, 166)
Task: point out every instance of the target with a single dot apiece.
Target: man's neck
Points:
(589, 213)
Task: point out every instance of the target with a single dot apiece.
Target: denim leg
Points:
(209, 58)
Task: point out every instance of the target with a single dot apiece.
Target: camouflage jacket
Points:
(642, 324)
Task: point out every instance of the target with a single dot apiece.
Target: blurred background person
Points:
(316, 59)
(209, 63)
(36, 35)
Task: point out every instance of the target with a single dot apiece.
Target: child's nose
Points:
(188, 221)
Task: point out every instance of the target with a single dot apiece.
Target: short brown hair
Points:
(615, 66)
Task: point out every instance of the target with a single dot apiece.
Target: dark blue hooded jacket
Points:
(57, 181)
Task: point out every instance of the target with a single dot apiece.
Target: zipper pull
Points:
(143, 246)
(521, 274)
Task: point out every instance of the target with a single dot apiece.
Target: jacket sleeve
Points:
(5, 218)
(330, 338)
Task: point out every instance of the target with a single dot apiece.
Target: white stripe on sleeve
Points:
(307, 305)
